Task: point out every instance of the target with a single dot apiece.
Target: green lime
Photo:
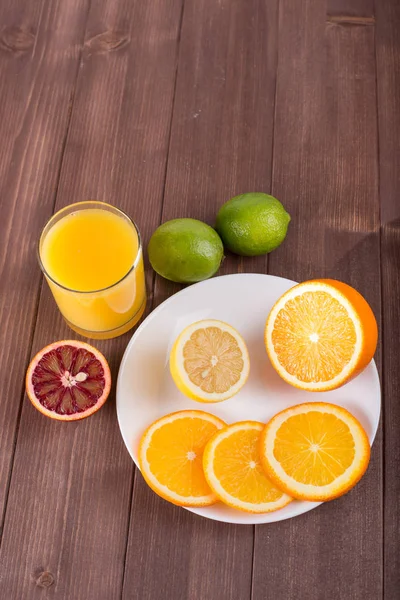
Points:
(252, 224)
(185, 250)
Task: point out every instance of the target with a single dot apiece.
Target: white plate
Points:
(146, 391)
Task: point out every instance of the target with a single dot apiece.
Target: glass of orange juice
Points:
(91, 255)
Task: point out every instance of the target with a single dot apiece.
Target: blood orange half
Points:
(68, 380)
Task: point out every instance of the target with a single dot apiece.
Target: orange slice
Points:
(314, 451)
(209, 361)
(320, 334)
(68, 380)
(171, 454)
(232, 467)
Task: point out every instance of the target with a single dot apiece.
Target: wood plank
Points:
(39, 54)
(221, 142)
(69, 502)
(388, 80)
(175, 554)
(223, 123)
(325, 172)
(351, 8)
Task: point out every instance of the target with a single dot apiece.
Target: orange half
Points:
(320, 334)
(68, 380)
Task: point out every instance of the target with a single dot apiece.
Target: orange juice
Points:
(92, 258)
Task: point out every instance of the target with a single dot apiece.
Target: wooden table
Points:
(167, 108)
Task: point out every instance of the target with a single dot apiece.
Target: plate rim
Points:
(144, 323)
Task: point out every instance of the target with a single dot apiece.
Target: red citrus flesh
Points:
(68, 380)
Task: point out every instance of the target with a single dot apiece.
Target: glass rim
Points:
(109, 287)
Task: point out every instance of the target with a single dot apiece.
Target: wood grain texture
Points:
(325, 173)
(39, 54)
(69, 501)
(221, 141)
(107, 77)
(351, 8)
(222, 129)
(388, 80)
(175, 554)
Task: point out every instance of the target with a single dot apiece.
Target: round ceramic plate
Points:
(146, 391)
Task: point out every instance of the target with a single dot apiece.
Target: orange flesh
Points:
(314, 337)
(237, 467)
(213, 360)
(314, 448)
(68, 380)
(175, 455)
